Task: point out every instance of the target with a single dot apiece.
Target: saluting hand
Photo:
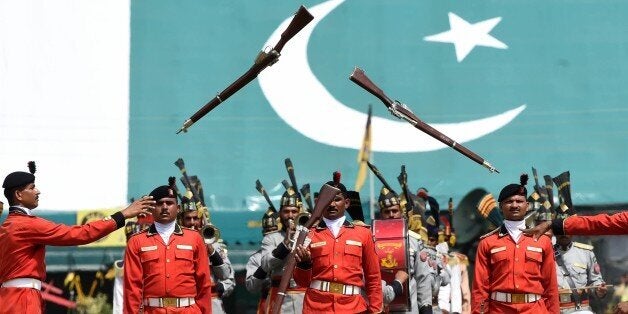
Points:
(302, 254)
(538, 230)
(142, 205)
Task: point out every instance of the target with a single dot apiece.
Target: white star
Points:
(466, 36)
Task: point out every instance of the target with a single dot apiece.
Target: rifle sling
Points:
(572, 285)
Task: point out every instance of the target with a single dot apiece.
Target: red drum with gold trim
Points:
(391, 246)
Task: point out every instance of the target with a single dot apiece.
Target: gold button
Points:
(516, 259)
(167, 260)
(336, 240)
(517, 286)
(517, 245)
(168, 247)
(167, 276)
(335, 266)
(335, 278)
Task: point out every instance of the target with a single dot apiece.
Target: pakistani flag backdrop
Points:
(523, 84)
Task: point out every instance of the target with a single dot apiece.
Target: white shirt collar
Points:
(165, 230)
(514, 228)
(334, 225)
(28, 211)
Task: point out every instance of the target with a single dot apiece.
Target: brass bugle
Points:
(210, 233)
(302, 218)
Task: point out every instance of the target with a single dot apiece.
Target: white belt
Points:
(515, 297)
(335, 287)
(169, 302)
(23, 283)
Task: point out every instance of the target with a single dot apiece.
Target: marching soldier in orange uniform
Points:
(24, 236)
(339, 263)
(513, 272)
(166, 268)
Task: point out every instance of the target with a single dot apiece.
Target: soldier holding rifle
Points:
(576, 267)
(339, 263)
(276, 247)
(24, 236)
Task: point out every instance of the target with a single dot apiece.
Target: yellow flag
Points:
(364, 154)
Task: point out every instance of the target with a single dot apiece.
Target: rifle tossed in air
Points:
(401, 111)
(264, 59)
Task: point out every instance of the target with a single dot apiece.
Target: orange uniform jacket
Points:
(348, 259)
(616, 224)
(501, 265)
(177, 270)
(23, 241)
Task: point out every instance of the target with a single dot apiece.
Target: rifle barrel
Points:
(359, 77)
(264, 59)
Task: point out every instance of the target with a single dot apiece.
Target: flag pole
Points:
(371, 193)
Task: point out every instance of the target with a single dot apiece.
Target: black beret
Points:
(18, 178)
(514, 189)
(162, 191)
(339, 186)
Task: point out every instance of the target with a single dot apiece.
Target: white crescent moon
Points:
(304, 103)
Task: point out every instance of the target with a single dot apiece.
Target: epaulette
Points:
(360, 223)
(423, 234)
(490, 233)
(453, 260)
(583, 246)
(462, 258)
(269, 232)
(414, 235)
(140, 232)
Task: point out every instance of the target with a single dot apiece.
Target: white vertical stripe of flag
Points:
(64, 98)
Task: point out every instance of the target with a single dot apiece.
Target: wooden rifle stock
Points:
(263, 60)
(325, 197)
(401, 111)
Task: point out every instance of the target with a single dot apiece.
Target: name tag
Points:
(498, 249)
(184, 247)
(356, 243)
(148, 248)
(534, 249)
(317, 244)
